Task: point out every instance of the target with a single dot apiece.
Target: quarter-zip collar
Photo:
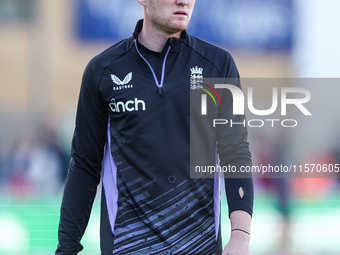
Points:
(161, 83)
(171, 46)
(176, 43)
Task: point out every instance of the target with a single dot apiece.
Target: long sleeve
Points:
(233, 148)
(84, 173)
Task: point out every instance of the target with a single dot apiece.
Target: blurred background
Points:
(44, 48)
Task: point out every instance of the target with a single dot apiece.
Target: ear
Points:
(142, 2)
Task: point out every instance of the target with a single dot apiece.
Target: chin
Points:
(178, 26)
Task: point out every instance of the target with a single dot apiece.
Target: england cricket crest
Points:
(196, 78)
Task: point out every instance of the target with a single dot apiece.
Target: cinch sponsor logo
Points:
(130, 106)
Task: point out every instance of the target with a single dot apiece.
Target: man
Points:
(135, 101)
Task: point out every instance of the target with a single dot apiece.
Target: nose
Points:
(182, 2)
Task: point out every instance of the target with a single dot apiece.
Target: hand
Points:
(238, 244)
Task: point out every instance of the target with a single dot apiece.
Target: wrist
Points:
(239, 229)
(240, 235)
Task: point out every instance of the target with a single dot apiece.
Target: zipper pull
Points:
(160, 90)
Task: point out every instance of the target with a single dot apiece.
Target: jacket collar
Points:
(176, 43)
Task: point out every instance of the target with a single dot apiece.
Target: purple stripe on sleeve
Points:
(217, 196)
(217, 203)
(110, 181)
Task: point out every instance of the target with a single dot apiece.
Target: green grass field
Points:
(29, 226)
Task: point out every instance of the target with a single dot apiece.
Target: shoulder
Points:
(217, 56)
(113, 53)
(97, 65)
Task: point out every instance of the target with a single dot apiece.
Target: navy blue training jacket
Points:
(133, 132)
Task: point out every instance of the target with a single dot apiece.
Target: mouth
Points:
(181, 13)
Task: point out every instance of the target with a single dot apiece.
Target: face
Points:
(168, 16)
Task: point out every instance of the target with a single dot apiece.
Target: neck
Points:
(154, 39)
